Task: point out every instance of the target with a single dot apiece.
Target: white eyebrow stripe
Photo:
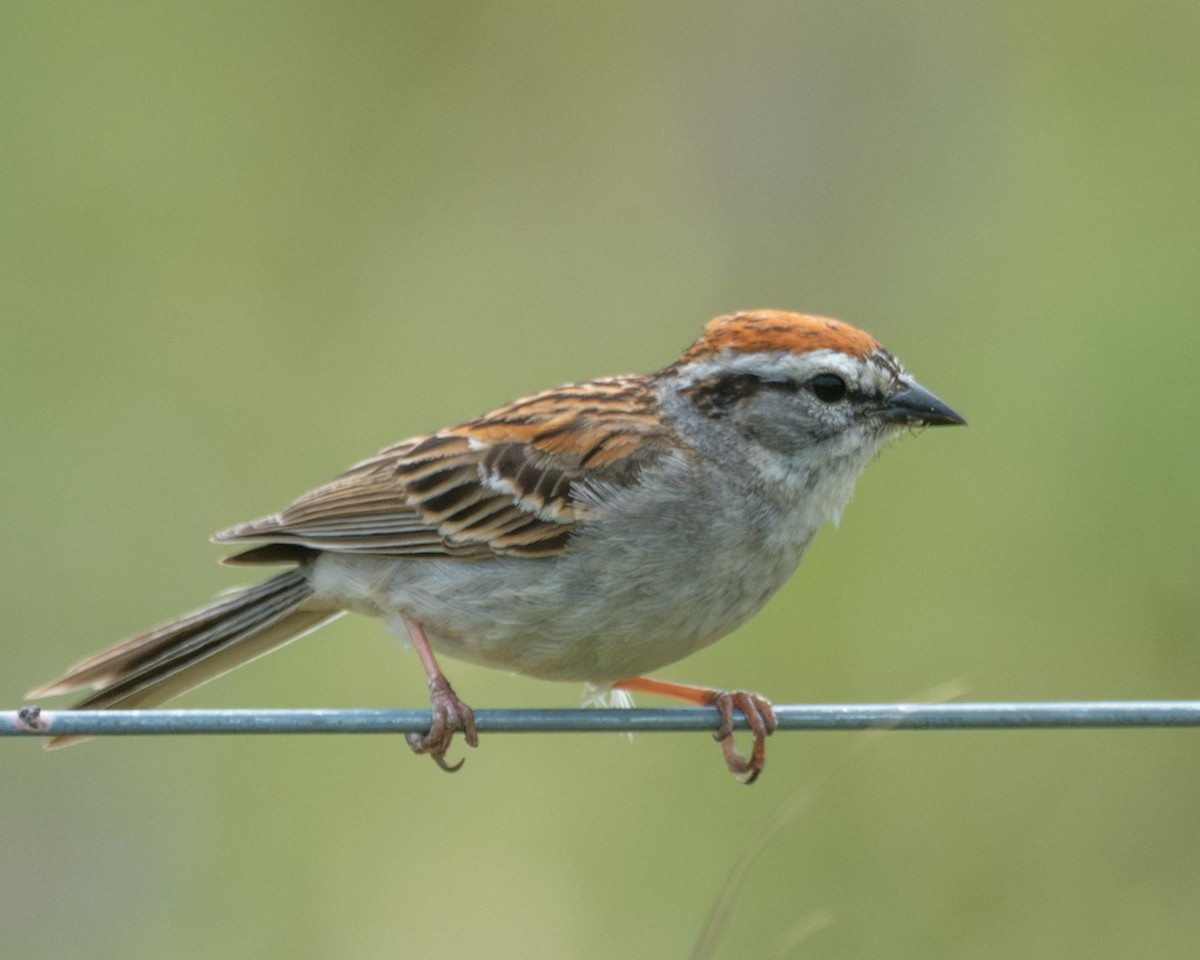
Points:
(870, 375)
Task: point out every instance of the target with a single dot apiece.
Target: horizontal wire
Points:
(34, 722)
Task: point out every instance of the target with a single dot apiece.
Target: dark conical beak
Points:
(914, 406)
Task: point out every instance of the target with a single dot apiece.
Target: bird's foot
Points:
(449, 714)
(760, 716)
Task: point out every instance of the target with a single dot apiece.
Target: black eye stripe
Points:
(716, 396)
(719, 394)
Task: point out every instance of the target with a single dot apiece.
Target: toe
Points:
(448, 714)
(760, 717)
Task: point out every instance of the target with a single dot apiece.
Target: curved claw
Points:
(418, 745)
(760, 716)
(448, 714)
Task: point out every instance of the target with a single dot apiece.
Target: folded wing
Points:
(508, 483)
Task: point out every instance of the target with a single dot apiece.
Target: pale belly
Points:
(568, 617)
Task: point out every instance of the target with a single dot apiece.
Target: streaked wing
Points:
(507, 483)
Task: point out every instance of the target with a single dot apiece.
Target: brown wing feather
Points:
(506, 483)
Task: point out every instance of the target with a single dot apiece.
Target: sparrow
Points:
(592, 532)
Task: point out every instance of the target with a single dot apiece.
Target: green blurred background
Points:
(245, 245)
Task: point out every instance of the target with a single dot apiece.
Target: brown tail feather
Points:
(168, 660)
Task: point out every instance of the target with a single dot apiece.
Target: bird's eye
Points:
(828, 387)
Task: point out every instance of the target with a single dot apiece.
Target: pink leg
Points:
(756, 708)
(449, 713)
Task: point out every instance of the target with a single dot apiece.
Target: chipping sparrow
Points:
(591, 532)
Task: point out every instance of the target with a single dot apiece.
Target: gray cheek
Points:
(788, 424)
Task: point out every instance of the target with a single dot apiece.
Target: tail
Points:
(156, 666)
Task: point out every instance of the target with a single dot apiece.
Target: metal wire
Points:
(35, 722)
